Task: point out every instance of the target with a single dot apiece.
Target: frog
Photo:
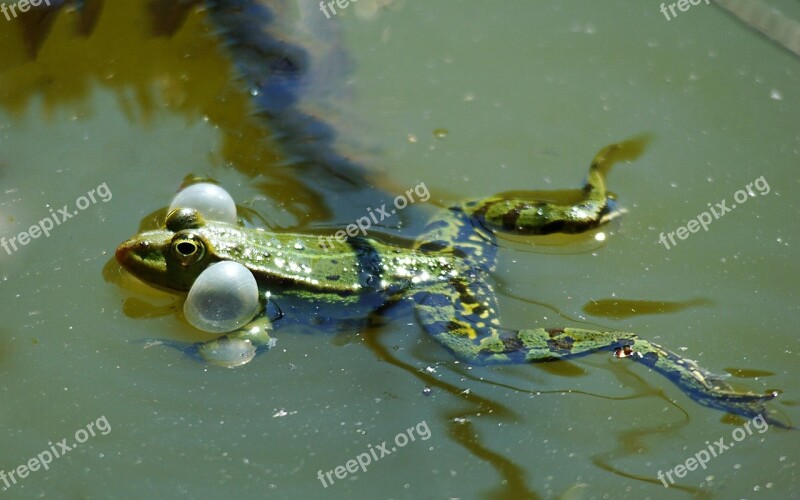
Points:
(445, 274)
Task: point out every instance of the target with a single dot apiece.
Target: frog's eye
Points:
(188, 249)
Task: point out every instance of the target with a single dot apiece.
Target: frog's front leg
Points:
(233, 349)
(527, 214)
(238, 347)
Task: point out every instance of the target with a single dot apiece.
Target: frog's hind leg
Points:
(462, 316)
(704, 387)
(526, 214)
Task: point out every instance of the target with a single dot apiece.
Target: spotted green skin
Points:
(445, 274)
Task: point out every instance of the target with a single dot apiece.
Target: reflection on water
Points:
(621, 308)
(150, 54)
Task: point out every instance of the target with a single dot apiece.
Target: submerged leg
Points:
(526, 213)
(462, 317)
(238, 347)
(704, 387)
(230, 350)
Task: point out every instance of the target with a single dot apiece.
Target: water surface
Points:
(471, 100)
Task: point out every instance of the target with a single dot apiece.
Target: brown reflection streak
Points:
(620, 308)
(154, 55)
(632, 441)
(35, 26)
(88, 16)
(748, 373)
(169, 15)
(513, 475)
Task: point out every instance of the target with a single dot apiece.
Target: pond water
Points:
(105, 112)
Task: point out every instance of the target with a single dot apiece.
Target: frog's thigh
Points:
(463, 317)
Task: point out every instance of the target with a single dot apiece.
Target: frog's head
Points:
(169, 258)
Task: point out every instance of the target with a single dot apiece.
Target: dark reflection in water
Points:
(461, 429)
(162, 54)
(748, 373)
(631, 441)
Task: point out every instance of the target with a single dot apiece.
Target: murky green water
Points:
(527, 94)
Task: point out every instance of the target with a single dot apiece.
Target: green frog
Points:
(444, 274)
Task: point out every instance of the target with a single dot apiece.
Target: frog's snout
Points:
(125, 252)
(122, 253)
(128, 250)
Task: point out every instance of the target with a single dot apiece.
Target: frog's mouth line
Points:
(142, 260)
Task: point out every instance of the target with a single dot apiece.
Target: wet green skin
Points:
(444, 275)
